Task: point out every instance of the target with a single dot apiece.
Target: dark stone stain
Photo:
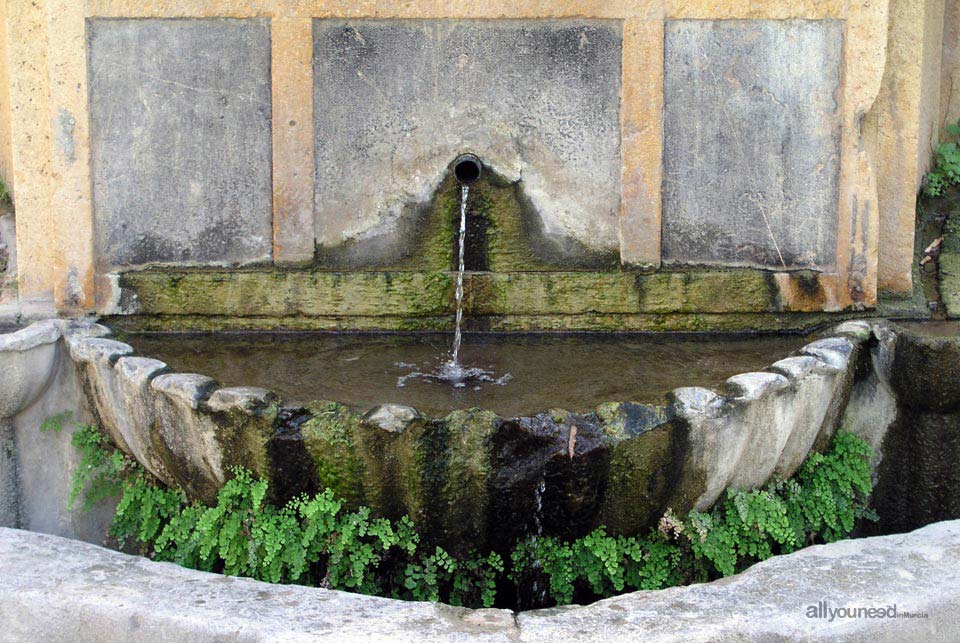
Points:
(918, 481)
(293, 471)
(528, 450)
(368, 123)
(426, 236)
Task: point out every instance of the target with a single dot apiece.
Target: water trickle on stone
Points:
(451, 370)
(539, 593)
(538, 511)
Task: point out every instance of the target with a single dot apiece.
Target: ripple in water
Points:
(455, 374)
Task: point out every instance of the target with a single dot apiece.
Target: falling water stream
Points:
(451, 370)
(458, 333)
(539, 593)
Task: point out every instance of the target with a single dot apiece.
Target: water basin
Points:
(575, 372)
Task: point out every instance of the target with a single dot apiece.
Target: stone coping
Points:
(59, 589)
(204, 393)
(42, 332)
(47, 331)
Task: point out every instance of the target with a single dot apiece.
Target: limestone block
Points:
(96, 358)
(186, 439)
(751, 154)
(396, 101)
(180, 140)
(132, 402)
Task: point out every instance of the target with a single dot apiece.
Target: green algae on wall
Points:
(447, 473)
(243, 436)
(198, 299)
(949, 262)
(330, 438)
(282, 293)
(646, 448)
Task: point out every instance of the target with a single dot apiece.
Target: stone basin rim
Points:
(41, 332)
(50, 330)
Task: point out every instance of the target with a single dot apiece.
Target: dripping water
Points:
(539, 594)
(538, 504)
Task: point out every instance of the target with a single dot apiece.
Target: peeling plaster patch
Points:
(63, 135)
(74, 289)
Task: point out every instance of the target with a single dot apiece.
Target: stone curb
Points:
(59, 589)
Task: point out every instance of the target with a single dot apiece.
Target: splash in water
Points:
(451, 370)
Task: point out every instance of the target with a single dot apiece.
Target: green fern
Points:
(313, 540)
(946, 164)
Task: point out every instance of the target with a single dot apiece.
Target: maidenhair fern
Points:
(315, 541)
(946, 164)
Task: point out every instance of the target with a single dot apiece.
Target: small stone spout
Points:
(467, 169)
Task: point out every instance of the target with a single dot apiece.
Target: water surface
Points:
(933, 328)
(572, 371)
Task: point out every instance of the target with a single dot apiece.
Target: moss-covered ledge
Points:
(310, 299)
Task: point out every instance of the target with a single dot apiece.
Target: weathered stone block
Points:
(181, 140)
(644, 469)
(396, 101)
(446, 467)
(96, 358)
(331, 437)
(751, 154)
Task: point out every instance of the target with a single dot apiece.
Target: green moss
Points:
(446, 466)
(646, 450)
(243, 437)
(277, 293)
(712, 291)
(385, 455)
(439, 227)
(679, 322)
(262, 299)
(950, 283)
(330, 438)
(642, 471)
(510, 226)
(623, 420)
(949, 262)
(538, 293)
(611, 419)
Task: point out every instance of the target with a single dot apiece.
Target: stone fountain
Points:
(28, 359)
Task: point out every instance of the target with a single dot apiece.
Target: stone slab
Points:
(751, 151)
(395, 102)
(59, 589)
(181, 140)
